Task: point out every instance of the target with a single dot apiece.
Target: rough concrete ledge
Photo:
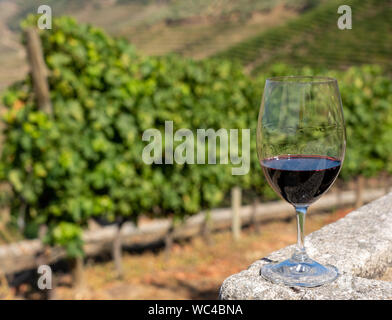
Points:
(359, 245)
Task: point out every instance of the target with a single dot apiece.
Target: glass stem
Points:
(300, 252)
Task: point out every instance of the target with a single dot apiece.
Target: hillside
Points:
(258, 33)
(314, 39)
(195, 28)
(190, 27)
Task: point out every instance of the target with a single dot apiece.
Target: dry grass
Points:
(194, 270)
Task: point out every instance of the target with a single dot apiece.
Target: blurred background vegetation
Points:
(119, 67)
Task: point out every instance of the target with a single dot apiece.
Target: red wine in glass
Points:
(301, 179)
(301, 143)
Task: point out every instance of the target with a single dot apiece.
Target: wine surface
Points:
(301, 179)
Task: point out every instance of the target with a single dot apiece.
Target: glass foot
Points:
(294, 273)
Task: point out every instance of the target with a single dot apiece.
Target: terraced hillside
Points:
(257, 32)
(195, 28)
(314, 39)
(148, 12)
(189, 27)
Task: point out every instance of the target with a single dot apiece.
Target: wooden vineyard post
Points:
(41, 259)
(169, 240)
(78, 273)
(236, 213)
(39, 73)
(254, 223)
(38, 70)
(117, 250)
(359, 191)
(339, 193)
(386, 183)
(206, 227)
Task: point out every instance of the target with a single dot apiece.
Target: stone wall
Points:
(359, 245)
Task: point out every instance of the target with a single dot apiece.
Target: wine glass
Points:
(301, 143)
